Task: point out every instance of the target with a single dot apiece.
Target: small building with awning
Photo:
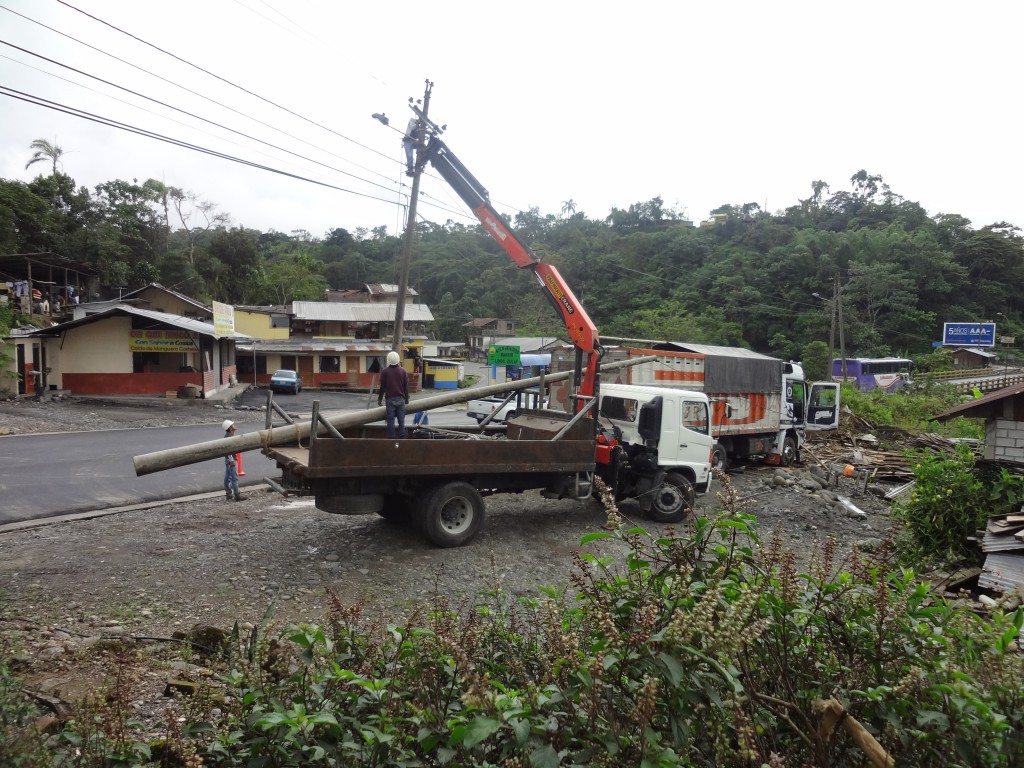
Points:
(125, 350)
(326, 363)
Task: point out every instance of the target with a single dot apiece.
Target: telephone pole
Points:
(410, 224)
(838, 294)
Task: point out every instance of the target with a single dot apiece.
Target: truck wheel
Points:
(672, 500)
(788, 457)
(719, 457)
(452, 514)
(397, 508)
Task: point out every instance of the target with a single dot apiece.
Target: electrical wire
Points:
(194, 93)
(74, 112)
(222, 79)
(190, 114)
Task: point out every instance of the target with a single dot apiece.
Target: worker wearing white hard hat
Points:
(230, 466)
(394, 389)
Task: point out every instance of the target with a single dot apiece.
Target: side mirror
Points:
(649, 422)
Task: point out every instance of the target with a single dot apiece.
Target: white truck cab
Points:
(665, 439)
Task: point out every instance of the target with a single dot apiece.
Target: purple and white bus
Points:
(888, 373)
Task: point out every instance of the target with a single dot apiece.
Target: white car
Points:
(482, 408)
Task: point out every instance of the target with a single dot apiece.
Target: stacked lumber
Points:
(1003, 545)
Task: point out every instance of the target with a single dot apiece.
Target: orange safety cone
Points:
(238, 458)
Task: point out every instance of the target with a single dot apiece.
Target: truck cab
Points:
(660, 446)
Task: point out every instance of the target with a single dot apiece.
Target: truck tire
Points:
(452, 514)
(673, 500)
(719, 457)
(789, 450)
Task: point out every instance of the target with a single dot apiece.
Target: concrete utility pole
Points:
(410, 224)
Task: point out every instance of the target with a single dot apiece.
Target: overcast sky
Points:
(605, 104)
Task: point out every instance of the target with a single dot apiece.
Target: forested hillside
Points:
(748, 279)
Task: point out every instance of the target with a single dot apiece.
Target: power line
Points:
(176, 85)
(222, 79)
(109, 122)
(56, 106)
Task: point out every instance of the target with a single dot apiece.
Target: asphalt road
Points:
(55, 474)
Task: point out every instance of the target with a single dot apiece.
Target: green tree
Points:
(815, 360)
(298, 278)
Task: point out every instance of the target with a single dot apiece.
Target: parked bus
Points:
(888, 373)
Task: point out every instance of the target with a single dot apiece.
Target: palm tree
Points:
(569, 207)
(44, 150)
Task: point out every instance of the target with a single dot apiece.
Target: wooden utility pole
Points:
(410, 224)
(839, 304)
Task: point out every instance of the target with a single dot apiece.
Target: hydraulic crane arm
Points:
(578, 325)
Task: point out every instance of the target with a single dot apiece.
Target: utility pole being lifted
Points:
(410, 224)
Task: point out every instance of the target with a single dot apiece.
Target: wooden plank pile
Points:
(1003, 545)
(856, 442)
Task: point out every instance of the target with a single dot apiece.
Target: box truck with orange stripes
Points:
(761, 407)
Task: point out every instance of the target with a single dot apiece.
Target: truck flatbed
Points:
(386, 457)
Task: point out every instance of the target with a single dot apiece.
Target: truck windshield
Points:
(695, 416)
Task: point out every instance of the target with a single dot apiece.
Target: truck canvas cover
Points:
(726, 370)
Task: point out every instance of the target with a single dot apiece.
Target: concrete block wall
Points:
(1004, 439)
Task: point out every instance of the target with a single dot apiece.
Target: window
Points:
(823, 396)
(619, 408)
(330, 364)
(695, 416)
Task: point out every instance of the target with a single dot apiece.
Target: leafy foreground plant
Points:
(698, 649)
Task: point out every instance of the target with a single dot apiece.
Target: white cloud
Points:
(701, 104)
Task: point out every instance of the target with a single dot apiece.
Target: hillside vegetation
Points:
(749, 279)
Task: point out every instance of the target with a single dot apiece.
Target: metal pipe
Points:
(148, 463)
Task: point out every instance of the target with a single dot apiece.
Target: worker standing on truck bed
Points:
(394, 389)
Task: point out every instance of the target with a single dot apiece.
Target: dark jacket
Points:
(394, 382)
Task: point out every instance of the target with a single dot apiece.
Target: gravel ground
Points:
(67, 588)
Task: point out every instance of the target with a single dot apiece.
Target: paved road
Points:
(55, 474)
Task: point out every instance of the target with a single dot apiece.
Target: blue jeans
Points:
(395, 411)
(230, 478)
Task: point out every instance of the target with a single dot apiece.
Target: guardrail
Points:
(964, 373)
(991, 384)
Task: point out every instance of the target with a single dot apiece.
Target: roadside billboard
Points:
(969, 334)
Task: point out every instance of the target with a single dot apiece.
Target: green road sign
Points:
(500, 354)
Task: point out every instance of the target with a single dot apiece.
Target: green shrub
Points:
(20, 745)
(950, 501)
(698, 648)
(911, 411)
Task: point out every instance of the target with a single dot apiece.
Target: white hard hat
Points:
(393, 358)
(228, 424)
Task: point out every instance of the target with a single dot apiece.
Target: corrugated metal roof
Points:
(984, 406)
(1001, 542)
(350, 312)
(386, 289)
(176, 321)
(319, 346)
(170, 291)
(1003, 572)
(527, 343)
(711, 349)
